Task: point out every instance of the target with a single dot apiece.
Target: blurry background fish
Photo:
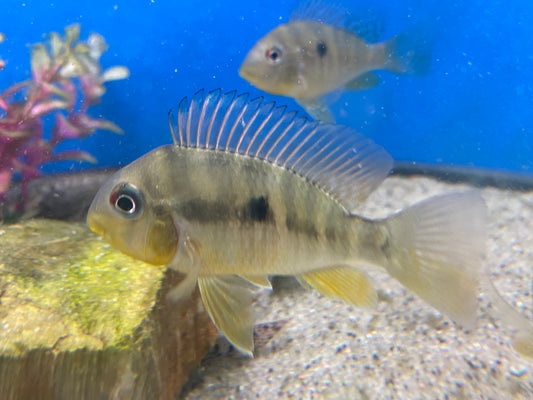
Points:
(324, 48)
(472, 108)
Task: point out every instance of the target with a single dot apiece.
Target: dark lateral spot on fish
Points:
(321, 49)
(258, 208)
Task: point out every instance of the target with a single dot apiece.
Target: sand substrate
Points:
(403, 349)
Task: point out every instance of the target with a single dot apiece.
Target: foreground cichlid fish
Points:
(249, 190)
(314, 54)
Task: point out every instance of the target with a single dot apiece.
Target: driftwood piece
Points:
(65, 196)
(79, 320)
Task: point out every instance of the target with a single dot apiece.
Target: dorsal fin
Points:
(335, 158)
(364, 21)
(329, 13)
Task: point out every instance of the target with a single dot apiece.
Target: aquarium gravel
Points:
(402, 349)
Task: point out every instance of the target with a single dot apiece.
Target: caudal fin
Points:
(437, 252)
(409, 52)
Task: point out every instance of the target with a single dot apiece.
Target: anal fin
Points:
(227, 299)
(346, 283)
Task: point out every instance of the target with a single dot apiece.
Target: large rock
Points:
(79, 320)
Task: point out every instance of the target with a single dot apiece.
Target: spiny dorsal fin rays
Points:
(171, 127)
(335, 158)
(320, 11)
(365, 22)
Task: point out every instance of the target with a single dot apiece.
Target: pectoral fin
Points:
(259, 281)
(187, 260)
(227, 300)
(317, 109)
(345, 283)
(367, 80)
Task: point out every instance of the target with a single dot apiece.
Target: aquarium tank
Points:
(342, 208)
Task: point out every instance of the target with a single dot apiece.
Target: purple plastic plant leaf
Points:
(30, 173)
(63, 129)
(41, 62)
(37, 153)
(46, 107)
(78, 155)
(14, 133)
(66, 91)
(5, 180)
(92, 88)
(69, 90)
(87, 125)
(54, 66)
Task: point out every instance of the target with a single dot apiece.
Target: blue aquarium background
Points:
(473, 108)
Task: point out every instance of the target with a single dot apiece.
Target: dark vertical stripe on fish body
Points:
(331, 56)
(321, 48)
(247, 208)
(351, 56)
(258, 208)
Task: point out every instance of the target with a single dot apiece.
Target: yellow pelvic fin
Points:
(227, 299)
(345, 283)
(258, 280)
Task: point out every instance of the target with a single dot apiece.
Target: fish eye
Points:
(127, 200)
(274, 54)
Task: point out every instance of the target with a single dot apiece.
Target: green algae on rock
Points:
(82, 320)
(64, 288)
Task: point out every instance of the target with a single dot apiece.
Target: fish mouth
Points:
(249, 74)
(248, 68)
(244, 72)
(94, 226)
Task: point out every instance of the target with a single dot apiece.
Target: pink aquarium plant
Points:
(66, 80)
